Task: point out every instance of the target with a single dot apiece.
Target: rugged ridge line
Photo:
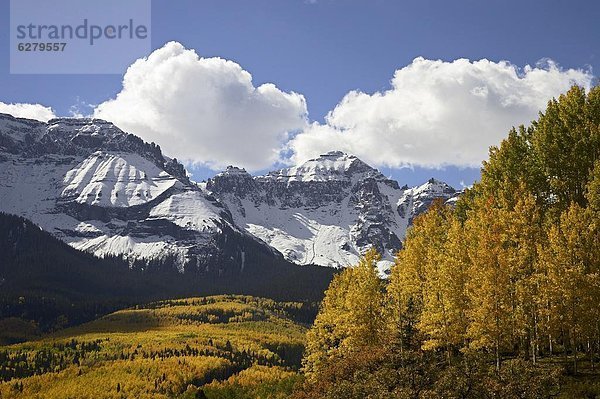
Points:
(110, 193)
(328, 210)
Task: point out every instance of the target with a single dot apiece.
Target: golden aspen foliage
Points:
(572, 261)
(566, 143)
(408, 284)
(485, 294)
(165, 349)
(351, 316)
(488, 288)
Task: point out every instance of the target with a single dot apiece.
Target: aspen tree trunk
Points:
(550, 345)
(590, 353)
(573, 337)
(596, 346)
(446, 328)
(593, 355)
(497, 357)
(575, 352)
(564, 341)
(535, 338)
(497, 345)
(465, 344)
(402, 347)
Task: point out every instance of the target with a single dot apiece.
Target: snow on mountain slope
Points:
(334, 165)
(189, 210)
(19, 130)
(107, 192)
(327, 211)
(30, 187)
(113, 179)
(149, 248)
(415, 201)
(317, 236)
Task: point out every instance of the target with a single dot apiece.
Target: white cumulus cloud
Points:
(29, 111)
(204, 110)
(438, 113)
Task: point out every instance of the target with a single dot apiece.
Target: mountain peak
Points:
(78, 121)
(9, 117)
(336, 154)
(331, 166)
(84, 126)
(233, 180)
(434, 186)
(232, 173)
(234, 170)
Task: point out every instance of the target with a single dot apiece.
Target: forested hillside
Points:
(46, 285)
(215, 347)
(497, 297)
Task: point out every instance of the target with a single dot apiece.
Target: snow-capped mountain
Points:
(108, 192)
(327, 211)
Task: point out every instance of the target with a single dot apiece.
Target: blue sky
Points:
(326, 48)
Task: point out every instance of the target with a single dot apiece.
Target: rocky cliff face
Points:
(110, 193)
(327, 211)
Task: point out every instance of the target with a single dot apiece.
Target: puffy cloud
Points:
(438, 113)
(29, 111)
(204, 110)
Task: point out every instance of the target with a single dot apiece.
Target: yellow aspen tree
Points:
(523, 233)
(566, 142)
(407, 286)
(571, 259)
(593, 191)
(489, 285)
(442, 320)
(456, 275)
(330, 328)
(593, 199)
(351, 316)
(365, 303)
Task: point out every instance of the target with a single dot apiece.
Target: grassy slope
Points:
(231, 346)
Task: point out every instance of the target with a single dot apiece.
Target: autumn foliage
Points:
(486, 296)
